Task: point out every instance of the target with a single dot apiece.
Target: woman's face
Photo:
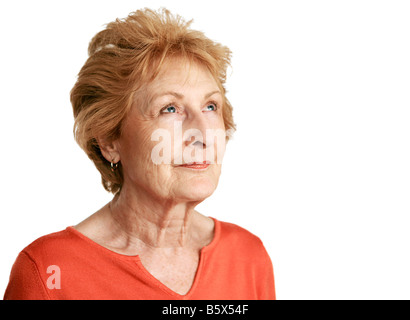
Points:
(173, 139)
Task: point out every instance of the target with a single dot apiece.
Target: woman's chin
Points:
(196, 190)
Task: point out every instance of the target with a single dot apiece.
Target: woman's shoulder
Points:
(233, 234)
(38, 261)
(52, 247)
(239, 244)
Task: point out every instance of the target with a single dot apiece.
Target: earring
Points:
(114, 166)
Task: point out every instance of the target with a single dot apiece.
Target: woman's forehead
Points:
(178, 77)
(181, 72)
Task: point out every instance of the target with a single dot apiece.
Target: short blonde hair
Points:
(122, 57)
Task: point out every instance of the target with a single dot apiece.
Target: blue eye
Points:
(211, 107)
(169, 109)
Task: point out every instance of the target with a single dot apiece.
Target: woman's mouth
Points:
(196, 165)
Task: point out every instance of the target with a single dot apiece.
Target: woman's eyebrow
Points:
(212, 93)
(181, 96)
(170, 93)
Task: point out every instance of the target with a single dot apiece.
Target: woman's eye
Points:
(169, 109)
(211, 107)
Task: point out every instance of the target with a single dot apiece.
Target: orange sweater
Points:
(68, 265)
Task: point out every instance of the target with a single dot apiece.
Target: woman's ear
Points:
(109, 149)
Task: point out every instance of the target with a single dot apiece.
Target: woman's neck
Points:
(139, 218)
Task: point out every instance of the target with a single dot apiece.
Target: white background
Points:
(319, 168)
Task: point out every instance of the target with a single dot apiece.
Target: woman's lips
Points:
(195, 165)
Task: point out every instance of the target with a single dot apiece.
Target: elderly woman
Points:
(148, 106)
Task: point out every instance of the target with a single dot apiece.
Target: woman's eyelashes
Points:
(172, 108)
(211, 107)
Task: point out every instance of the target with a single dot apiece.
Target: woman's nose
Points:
(195, 129)
(195, 140)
